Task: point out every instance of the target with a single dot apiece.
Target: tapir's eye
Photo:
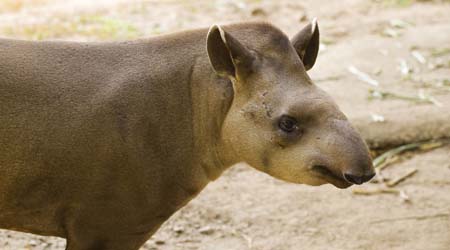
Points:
(288, 124)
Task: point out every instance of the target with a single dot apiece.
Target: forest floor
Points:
(403, 45)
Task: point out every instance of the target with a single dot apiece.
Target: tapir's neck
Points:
(210, 97)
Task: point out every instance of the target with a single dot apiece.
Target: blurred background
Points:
(387, 64)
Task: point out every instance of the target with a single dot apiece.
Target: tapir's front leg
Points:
(114, 232)
(100, 242)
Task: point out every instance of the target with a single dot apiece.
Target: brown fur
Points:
(103, 142)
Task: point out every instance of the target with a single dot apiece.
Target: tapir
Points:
(100, 143)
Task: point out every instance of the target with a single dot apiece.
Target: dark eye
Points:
(288, 124)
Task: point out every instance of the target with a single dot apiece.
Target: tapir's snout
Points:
(360, 168)
(344, 157)
(347, 174)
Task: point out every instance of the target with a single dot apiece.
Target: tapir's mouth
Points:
(330, 177)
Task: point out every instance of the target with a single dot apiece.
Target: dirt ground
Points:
(403, 45)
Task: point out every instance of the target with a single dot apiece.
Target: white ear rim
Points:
(313, 25)
(224, 40)
(221, 32)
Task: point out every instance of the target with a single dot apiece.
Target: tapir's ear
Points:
(306, 43)
(227, 55)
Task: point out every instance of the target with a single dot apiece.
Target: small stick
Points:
(427, 145)
(330, 78)
(388, 162)
(363, 76)
(393, 152)
(245, 237)
(418, 56)
(404, 196)
(249, 241)
(423, 217)
(375, 191)
(402, 178)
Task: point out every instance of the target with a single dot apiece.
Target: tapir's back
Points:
(76, 117)
(51, 90)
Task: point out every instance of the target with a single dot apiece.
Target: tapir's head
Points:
(280, 122)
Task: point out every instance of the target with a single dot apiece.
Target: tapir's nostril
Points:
(353, 178)
(358, 179)
(368, 177)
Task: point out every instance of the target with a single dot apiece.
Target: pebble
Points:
(207, 230)
(178, 229)
(160, 242)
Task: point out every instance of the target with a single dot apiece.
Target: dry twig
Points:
(409, 174)
(363, 76)
(375, 191)
(420, 217)
(388, 162)
(384, 158)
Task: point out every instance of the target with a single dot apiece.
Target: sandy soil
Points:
(246, 209)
